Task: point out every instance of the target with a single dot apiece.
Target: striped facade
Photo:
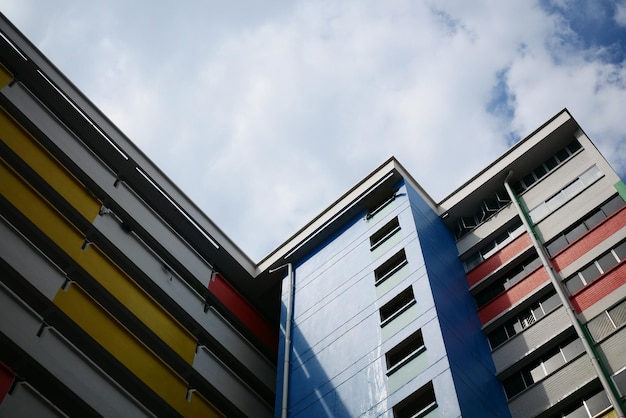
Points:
(114, 291)
(574, 204)
(120, 297)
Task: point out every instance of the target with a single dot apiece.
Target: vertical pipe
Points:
(287, 348)
(558, 286)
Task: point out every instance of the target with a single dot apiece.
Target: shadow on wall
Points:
(478, 390)
(320, 401)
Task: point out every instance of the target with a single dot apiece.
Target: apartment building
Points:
(541, 234)
(120, 297)
(507, 298)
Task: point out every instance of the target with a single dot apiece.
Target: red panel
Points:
(498, 259)
(6, 380)
(589, 240)
(244, 311)
(513, 295)
(599, 288)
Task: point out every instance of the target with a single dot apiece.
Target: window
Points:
(508, 280)
(607, 322)
(586, 407)
(381, 206)
(523, 320)
(597, 268)
(538, 370)
(547, 166)
(384, 233)
(501, 199)
(494, 245)
(583, 181)
(389, 267)
(486, 210)
(417, 405)
(620, 381)
(578, 229)
(397, 305)
(404, 352)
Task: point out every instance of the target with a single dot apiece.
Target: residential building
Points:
(118, 296)
(506, 298)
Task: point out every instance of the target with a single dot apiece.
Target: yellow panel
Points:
(138, 358)
(99, 266)
(44, 164)
(5, 76)
(109, 275)
(609, 414)
(37, 209)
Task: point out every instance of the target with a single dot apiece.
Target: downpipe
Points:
(288, 323)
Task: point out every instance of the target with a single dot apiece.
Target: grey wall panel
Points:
(187, 298)
(530, 339)
(612, 351)
(557, 179)
(575, 209)
(230, 385)
(29, 261)
(105, 178)
(161, 232)
(26, 402)
(63, 360)
(238, 346)
(554, 388)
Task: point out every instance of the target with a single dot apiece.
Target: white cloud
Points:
(266, 117)
(620, 13)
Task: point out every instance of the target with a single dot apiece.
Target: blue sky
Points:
(265, 112)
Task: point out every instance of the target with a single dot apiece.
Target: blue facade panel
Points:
(338, 366)
(335, 351)
(479, 392)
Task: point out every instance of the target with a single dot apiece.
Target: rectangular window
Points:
(389, 267)
(551, 204)
(371, 213)
(550, 362)
(397, 305)
(620, 381)
(404, 352)
(523, 320)
(418, 404)
(608, 321)
(597, 268)
(509, 279)
(587, 407)
(384, 233)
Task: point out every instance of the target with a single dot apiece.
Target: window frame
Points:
(396, 299)
(414, 342)
(391, 266)
(384, 233)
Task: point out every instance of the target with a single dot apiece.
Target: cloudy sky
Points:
(265, 112)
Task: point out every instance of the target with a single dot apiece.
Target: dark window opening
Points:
(384, 233)
(405, 351)
(397, 305)
(389, 267)
(417, 405)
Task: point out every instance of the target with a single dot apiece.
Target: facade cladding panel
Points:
(498, 259)
(125, 299)
(479, 393)
(513, 295)
(611, 225)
